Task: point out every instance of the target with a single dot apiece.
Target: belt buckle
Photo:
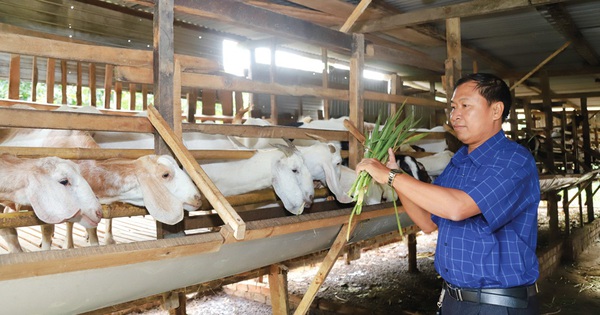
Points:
(459, 294)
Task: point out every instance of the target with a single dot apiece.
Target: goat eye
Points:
(64, 182)
(165, 175)
(295, 171)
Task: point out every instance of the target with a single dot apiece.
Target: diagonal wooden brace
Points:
(326, 265)
(204, 183)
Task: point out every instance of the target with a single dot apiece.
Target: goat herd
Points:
(61, 190)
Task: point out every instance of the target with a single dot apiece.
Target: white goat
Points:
(156, 182)
(53, 187)
(282, 168)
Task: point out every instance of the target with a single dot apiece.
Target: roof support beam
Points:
(466, 9)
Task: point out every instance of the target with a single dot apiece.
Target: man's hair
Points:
(491, 87)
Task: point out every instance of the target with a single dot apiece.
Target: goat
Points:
(53, 187)
(282, 168)
(166, 193)
(436, 163)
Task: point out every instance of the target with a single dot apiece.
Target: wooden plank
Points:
(28, 45)
(324, 269)
(206, 186)
(360, 8)
(12, 117)
(266, 131)
(216, 82)
(34, 264)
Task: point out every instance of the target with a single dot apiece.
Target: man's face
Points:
(473, 120)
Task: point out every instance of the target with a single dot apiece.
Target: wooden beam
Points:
(324, 269)
(278, 287)
(204, 183)
(545, 61)
(360, 8)
(28, 45)
(466, 9)
(23, 118)
(226, 82)
(356, 96)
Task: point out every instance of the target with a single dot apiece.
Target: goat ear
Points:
(160, 202)
(50, 200)
(334, 185)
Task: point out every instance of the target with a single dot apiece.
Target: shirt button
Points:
(445, 244)
(446, 270)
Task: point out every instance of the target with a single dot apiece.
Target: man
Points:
(484, 206)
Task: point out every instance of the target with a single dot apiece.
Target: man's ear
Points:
(498, 109)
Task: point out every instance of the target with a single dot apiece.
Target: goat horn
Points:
(288, 150)
(317, 137)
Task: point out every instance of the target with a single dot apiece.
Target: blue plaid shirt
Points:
(494, 249)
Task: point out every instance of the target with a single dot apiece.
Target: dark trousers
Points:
(451, 306)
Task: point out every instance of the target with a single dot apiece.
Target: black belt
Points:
(516, 297)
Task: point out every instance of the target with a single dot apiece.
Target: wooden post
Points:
(14, 81)
(278, 286)
(325, 268)
(587, 158)
(325, 81)
(566, 212)
(273, 76)
(34, 79)
(79, 87)
(92, 83)
(50, 68)
(395, 89)
(132, 96)
(119, 94)
(192, 99)
(355, 91)
(453, 64)
(144, 97)
(63, 81)
(552, 203)
(412, 253)
(547, 107)
(164, 91)
(108, 78)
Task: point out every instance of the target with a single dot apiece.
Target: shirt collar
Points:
(479, 155)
